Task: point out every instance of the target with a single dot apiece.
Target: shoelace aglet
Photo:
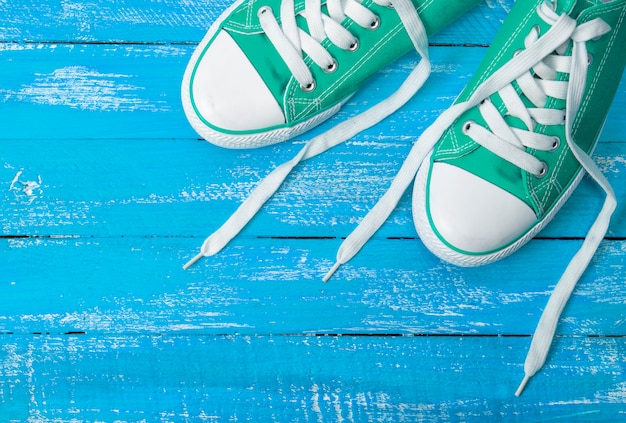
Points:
(331, 272)
(192, 261)
(522, 386)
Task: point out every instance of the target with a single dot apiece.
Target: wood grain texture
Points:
(86, 91)
(305, 379)
(174, 21)
(272, 287)
(128, 187)
(105, 191)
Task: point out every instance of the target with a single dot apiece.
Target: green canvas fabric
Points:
(377, 48)
(608, 57)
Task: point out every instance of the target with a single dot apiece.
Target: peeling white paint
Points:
(610, 164)
(184, 327)
(15, 179)
(78, 12)
(499, 4)
(80, 87)
(28, 188)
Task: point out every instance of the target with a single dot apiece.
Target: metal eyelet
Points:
(375, 24)
(354, 46)
(309, 87)
(589, 59)
(263, 10)
(467, 125)
(543, 172)
(331, 68)
(556, 143)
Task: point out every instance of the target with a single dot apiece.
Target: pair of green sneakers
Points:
(493, 169)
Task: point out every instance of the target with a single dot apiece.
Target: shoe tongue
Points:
(564, 6)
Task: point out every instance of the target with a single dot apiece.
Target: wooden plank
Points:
(130, 187)
(92, 91)
(174, 21)
(309, 379)
(128, 91)
(60, 91)
(135, 285)
(105, 191)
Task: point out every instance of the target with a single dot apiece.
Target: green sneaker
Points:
(269, 70)
(514, 149)
(495, 167)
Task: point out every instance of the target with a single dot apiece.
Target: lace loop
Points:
(285, 47)
(292, 42)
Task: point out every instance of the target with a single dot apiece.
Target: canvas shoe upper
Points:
(505, 166)
(496, 166)
(269, 70)
(482, 201)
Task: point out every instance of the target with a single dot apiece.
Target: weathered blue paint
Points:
(304, 378)
(105, 191)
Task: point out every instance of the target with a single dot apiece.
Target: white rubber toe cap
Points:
(473, 215)
(228, 93)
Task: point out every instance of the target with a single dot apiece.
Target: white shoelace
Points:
(286, 42)
(291, 41)
(510, 144)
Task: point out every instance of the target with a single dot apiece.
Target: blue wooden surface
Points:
(106, 191)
